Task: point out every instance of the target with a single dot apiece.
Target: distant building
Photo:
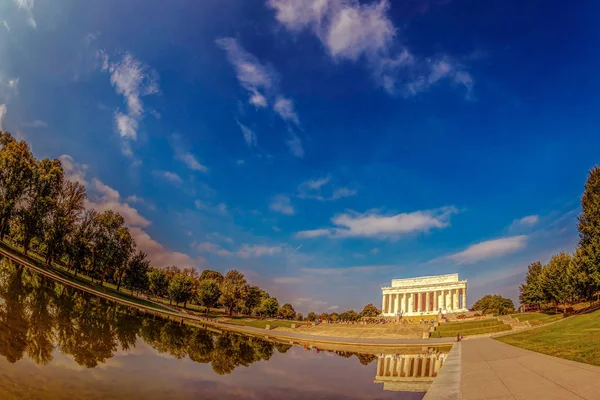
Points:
(426, 295)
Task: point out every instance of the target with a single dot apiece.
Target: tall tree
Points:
(16, 170)
(369, 311)
(181, 289)
(136, 274)
(40, 198)
(113, 245)
(212, 275)
(233, 290)
(494, 304)
(63, 216)
(209, 293)
(81, 240)
(287, 311)
(531, 292)
(585, 274)
(555, 279)
(158, 281)
(268, 307)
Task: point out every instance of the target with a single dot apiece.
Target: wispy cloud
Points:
(5, 24)
(282, 204)
(524, 222)
(218, 237)
(27, 5)
(185, 156)
(218, 209)
(2, 114)
(375, 224)
(133, 80)
(260, 82)
(351, 30)
(170, 177)
(207, 247)
(489, 249)
(313, 189)
(36, 124)
(247, 251)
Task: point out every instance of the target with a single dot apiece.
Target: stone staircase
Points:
(514, 323)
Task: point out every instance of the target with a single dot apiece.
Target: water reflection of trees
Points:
(38, 314)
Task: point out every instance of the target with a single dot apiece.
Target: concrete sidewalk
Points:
(494, 370)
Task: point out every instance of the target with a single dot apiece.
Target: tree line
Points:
(44, 212)
(38, 315)
(570, 278)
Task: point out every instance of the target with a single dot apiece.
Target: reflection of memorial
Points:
(408, 372)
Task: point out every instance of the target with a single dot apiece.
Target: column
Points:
(411, 300)
(435, 301)
(465, 297)
(397, 305)
(448, 300)
(383, 303)
(427, 301)
(455, 302)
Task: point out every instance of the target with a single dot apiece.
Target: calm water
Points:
(59, 343)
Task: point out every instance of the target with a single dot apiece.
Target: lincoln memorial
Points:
(427, 295)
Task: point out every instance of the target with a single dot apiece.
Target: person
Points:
(458, 337)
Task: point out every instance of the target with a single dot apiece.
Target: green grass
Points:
(261, 323)
(470, 328)
(577, 339)
(538, 318)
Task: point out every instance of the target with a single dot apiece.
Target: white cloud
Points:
(6, 26)
(282, 204)
(528, 220)
(249, 135)
(13, 83)
(27, 5)
(351, 30)
(289, 280)
(240, 162)
(285, 108)
(294, 143)
(217, 236)
(489, 249)
(161, 256)
(251, 74)
(247, 251)
(207, 247)
(313, 189)
(185, 156)
(36, 124)
(374, 251)
(276, 228)
(219, 209)
(2, 114)
(373, 224)
(133, 80)
(170, 176)
(333, 308)
(73, 171)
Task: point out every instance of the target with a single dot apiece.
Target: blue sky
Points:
(322, 147)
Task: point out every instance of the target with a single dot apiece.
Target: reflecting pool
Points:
(60, 343)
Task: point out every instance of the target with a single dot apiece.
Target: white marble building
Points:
(426, 295)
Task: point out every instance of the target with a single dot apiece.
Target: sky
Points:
(321, 147)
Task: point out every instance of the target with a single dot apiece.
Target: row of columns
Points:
(410, 365)
(449, 299)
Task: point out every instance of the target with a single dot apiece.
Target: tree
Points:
(181, 289)
(268, 307)
(113, 245)
(254, 296)
(555, 279)
(324, 316)
(531, 291)
(334, 317)
(158, 282)
(369, 311)
(136, 274)
(233, 290)
(81, 240)
(40, 198)
(16, 170)
(63, 217)
(585, 274)
(311, 316)
(494, 304)
(208, 293)
(299, 317)
(287, 311)
(211, 275)
(349, 315)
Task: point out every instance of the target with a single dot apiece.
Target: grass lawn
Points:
(538, 318)
(260, 323)
(469, 328)
(577, 338)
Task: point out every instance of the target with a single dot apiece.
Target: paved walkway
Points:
(494, 370)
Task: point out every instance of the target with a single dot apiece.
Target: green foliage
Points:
(254, 296)
(369, 311)
(555, 280)
(136, 274)
(349, 315)
(287, 311)
(531, 291)
(494, 304)
(585, 274)
(311, 316)
(158, 282)
(299, 317)
(233, 290)
(208, 274)
(208, 293)
(268, 307)
(181, 289)
(334, 317)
